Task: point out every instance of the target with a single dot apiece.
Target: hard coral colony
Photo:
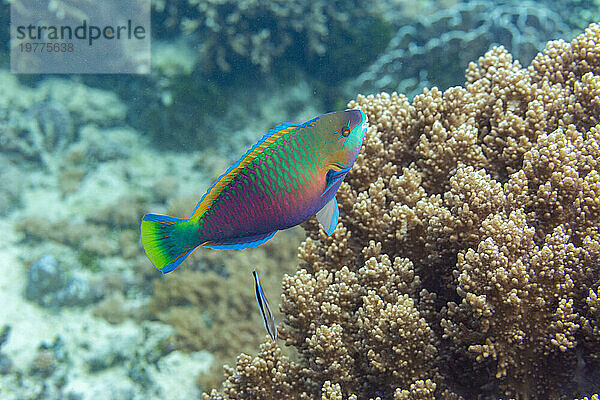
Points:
(466, 262)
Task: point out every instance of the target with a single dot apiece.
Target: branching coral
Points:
(466, 261)
(232, 33)
(460, 33)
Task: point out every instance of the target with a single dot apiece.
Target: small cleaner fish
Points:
(291, 174)
(263, 307)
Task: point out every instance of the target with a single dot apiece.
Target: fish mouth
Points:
(336, 166)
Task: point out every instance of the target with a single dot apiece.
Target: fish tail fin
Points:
(167, 240)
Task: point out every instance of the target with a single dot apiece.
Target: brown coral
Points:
(466, 261)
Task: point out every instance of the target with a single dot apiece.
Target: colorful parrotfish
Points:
(291, 174)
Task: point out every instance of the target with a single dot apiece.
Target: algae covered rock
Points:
(45, 278)
(10, 185)
(108, 143)
(40, 123)
(77, 292)
(5, 363)
(49, 286)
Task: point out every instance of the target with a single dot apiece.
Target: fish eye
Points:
(345, 131)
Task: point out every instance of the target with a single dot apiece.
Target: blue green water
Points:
(83, 157)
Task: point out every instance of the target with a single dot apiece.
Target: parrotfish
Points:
(263, 307)
(291, 174)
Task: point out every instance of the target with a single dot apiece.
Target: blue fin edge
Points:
(161, 218)
(170, 267)
(255, 241)
(334, 218)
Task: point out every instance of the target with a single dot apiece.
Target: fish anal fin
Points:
(240, 243)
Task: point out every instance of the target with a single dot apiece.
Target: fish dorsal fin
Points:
(328, 216)
(212, 192)
(278, 128)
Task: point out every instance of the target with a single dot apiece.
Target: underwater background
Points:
(467, 260)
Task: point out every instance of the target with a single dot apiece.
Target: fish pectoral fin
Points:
(334, 176)
(239, 243)
(328, 216)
